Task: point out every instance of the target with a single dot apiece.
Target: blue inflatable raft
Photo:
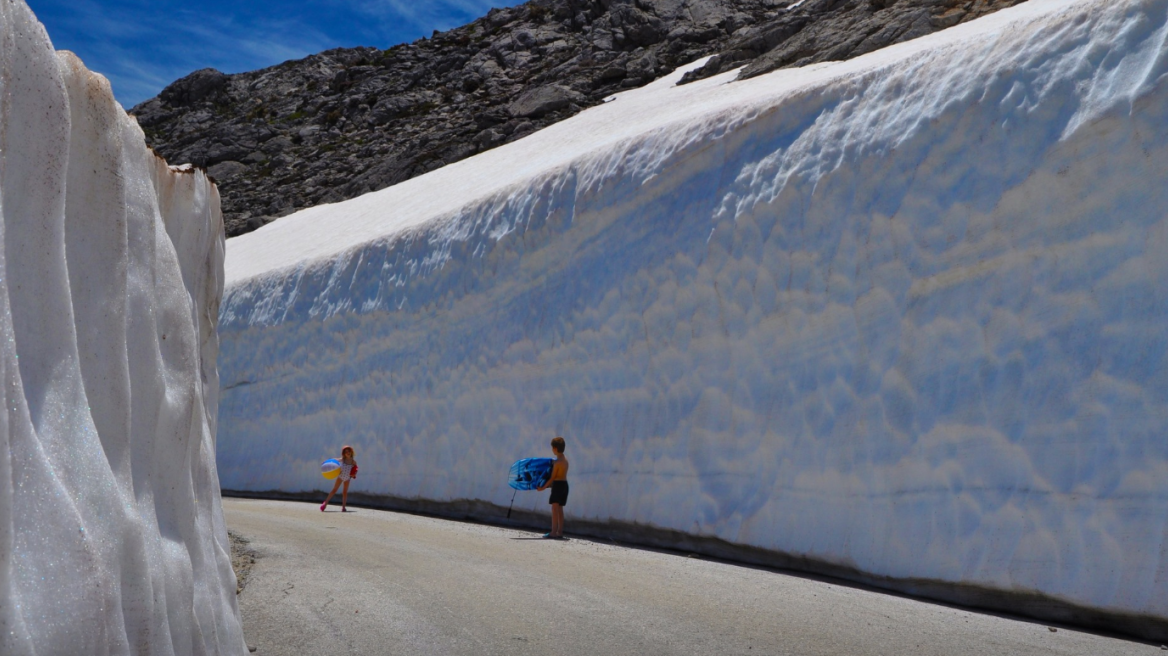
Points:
(530, 473)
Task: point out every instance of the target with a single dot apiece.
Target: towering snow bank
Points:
(112, 538)
(903, 314)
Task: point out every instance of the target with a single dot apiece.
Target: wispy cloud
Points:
(143, 45)
(432, 15)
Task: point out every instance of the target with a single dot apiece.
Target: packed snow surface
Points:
(112, 538)
(904, 314)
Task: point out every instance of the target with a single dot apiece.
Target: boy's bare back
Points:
(560, 468)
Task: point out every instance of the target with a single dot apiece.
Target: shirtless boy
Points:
(559, 485)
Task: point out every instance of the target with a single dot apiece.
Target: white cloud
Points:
(435, 14)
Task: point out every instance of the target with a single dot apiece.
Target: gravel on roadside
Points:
(242, 559)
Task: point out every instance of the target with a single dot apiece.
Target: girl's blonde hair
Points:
(349, 449)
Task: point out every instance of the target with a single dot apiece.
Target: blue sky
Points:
(143, 45)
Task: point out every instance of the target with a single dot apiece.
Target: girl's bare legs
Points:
(344, 497)
(336, 484)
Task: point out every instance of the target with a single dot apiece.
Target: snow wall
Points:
(112, 539)
(903, 315)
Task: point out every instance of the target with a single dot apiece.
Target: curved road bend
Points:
(373, 582)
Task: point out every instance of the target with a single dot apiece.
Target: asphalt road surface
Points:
(375, 582)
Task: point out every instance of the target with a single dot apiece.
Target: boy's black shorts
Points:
(559, 493)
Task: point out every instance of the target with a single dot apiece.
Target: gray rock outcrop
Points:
(344, 122)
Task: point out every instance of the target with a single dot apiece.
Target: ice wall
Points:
(904, 314)
(112, 538)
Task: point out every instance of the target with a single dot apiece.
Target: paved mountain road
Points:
(375, 582)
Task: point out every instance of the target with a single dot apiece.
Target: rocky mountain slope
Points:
(345, 122)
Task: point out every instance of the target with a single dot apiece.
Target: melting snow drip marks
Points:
(102, 248)
(907, 318)
(1133, 63)
(375, 276)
